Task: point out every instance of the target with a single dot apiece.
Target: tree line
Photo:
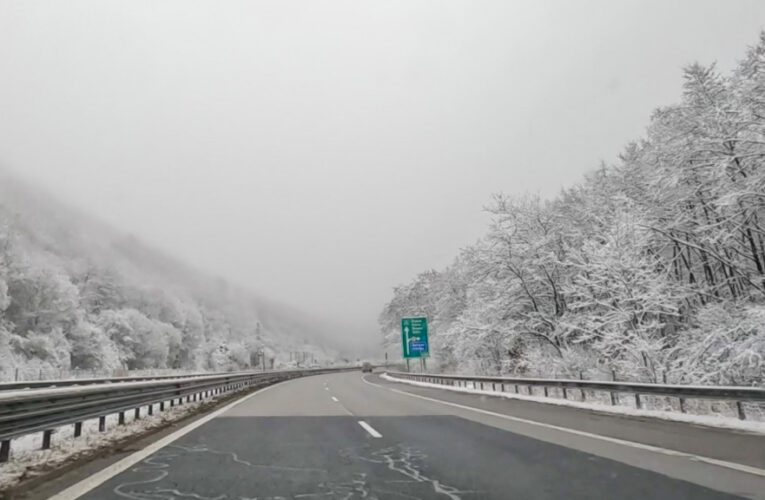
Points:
(652, 268)
(77, 296)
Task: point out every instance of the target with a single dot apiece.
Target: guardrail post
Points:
(682, 404)
(637, 401)
(46, 439)
(565, 393)
(101, 424)
(502, 387)
(493, 386)
(545, 388)
(121, 419)
(77, 429)
(531, 391)
(613, 399)
(740, 408)
(151, 409)
(5, 450)
(138, 413)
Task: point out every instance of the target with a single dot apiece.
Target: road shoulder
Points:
(600, 435)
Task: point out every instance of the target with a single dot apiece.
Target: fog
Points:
(322, 152)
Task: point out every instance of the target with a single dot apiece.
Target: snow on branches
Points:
(651, 269)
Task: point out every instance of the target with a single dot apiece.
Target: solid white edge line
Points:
(335, 399)
(656, 449)
(100, 477)
(372, 432)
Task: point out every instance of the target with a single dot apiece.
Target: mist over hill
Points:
(76, 294)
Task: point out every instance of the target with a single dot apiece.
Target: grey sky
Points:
(321, 152)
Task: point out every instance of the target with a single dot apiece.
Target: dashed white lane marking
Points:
(632, 444)
(372, 432)
(100, 477)
(335, 399)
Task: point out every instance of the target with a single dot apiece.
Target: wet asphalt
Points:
(303, 440)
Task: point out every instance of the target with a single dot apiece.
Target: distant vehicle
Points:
(366, 367)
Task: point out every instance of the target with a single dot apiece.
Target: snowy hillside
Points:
(651, 269)
(77, 295)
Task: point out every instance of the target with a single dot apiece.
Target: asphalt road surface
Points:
(352, 436)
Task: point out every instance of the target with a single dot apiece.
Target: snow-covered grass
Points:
(712, 420)
(28, 459)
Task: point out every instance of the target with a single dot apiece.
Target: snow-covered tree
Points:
(651, 269)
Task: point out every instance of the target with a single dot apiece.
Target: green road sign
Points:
(414, 337)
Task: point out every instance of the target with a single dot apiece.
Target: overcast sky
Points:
(322, 152)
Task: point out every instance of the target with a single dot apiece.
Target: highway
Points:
(353, 436)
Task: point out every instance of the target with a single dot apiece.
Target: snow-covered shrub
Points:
(92, 349)
(725, 346)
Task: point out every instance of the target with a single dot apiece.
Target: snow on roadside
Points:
(707, 420)
(27, 458)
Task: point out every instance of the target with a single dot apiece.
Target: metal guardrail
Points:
(73, 401)
(38, 384)
(735, 394)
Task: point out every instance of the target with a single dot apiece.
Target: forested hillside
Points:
(652, 269)
(77, 295)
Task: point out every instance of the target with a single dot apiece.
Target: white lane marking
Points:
(346, 410)
(372, 432)
(656, 449)
(335, 399)
(100, 477)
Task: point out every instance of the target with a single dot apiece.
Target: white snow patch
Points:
(707, 420)
(26, 452)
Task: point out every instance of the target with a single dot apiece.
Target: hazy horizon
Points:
(321, 154)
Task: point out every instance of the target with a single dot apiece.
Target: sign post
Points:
(414, 339)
